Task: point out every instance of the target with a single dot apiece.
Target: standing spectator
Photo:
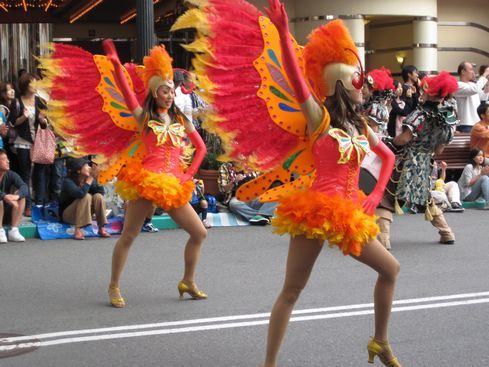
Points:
(474, 181)
(182, 94)
(13, 192)
(479, 136)
(29, 119)
(7, 103)
(468, 95)
(226, 182)
(484, 96)
(81, 197)
(410, 88)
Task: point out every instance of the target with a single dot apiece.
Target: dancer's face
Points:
(356, 96)
(165, 96)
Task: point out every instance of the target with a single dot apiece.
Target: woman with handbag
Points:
(28, 120)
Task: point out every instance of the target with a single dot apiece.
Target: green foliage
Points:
(214, 150)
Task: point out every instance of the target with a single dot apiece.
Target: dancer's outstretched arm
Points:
(120, 77)
(310, 107)
(388, 159)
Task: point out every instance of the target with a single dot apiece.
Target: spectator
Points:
(148, 225)
(449, 192)
(410, 88)
(199, 202)
(7, 104)
(474, 181)
(226, 182)
(484, 96)
(28, 119)
(479, 136)
(468, 95)
(182, 95)
(13, 192)
(81, 197)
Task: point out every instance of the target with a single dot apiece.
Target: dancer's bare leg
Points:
(188, 220)
(300, 261)
(386, 265)
(136, 212)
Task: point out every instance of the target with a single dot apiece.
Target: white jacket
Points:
(468, 96)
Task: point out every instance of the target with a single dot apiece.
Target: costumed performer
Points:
(127, 117)
(342, 139)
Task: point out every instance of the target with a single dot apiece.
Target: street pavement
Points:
(54, 293)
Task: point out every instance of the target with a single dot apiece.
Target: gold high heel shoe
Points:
(191, 289)
(383, 351)
(115, 297)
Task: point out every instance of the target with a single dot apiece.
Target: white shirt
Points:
(468, 99)
(184, 103)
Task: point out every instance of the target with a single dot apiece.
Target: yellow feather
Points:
(194, 18)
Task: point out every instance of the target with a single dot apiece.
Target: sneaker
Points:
(259, 220)
(3, 236)
(456, 208)
(15, 236)
(149, 227)
(206, 224)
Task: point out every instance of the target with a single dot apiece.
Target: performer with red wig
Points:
(426, 131)
(127, 117)
(296, 115)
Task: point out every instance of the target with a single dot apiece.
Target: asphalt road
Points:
(55, 292)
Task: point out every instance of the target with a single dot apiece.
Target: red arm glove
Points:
(388, 158)
(120, 77)
(200, 151)
(279, 18)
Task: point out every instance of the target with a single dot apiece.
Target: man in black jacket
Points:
(13, 193)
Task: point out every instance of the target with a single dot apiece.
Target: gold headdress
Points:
(157, 70)
(331, 55)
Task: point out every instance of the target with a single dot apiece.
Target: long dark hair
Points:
(3, 93)
(150, 111)
(342, 110)
(474, 153)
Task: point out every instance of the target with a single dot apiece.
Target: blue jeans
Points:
(480, 188)
(251, 208)
(464, 128)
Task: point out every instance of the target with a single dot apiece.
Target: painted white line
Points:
(236, 317)
(237, 324)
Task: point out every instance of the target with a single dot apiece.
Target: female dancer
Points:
(127, 117)
(161, 166)
(311, 216)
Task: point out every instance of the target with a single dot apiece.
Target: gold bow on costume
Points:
(162, 131)
(346, 145)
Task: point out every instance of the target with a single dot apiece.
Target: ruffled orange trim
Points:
(164, 190)
(333, 218)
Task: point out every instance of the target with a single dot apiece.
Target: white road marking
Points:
(217, 323)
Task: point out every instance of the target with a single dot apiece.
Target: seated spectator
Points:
(447, 193)
(148, 225)
(13, 192)
(474, 182)
(226, 182)
(479, 136)
(81, 197)
(199, 202)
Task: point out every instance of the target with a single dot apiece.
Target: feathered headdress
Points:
(157, 70)
(380, 79)
(332, 46)
(440, 85)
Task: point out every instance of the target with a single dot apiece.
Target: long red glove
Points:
(388, 159)
(200, 151)
(279, 18)
(120, 77)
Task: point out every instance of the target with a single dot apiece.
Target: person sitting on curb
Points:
(446, 192)
(474, 181)
(13, 193)
(199, 202)
(81, 197)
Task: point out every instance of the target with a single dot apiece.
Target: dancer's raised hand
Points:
(110, 51)
(277, 14)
